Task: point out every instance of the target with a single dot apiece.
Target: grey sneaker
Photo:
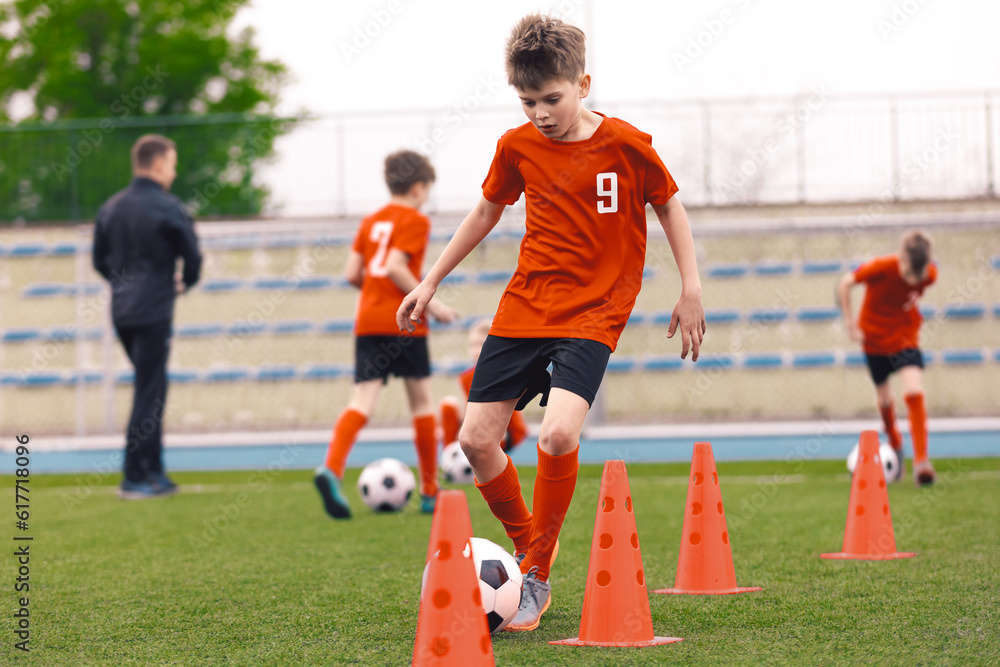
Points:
(536, 596)
(333, 496)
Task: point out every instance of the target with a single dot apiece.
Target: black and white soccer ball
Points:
(455, 465)
(386, 485)
(499, 581)
(887, 456)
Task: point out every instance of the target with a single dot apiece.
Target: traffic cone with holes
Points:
(615, 599)
(868, 534)
(705, 564)
(451, 628)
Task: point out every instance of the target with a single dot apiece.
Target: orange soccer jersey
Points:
(889, 319)
(581, 260)
(394, 226)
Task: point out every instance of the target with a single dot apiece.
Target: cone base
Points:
(728, 591)
(655, 641)
(846, 556)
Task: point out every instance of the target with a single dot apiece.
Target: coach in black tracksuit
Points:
(138, 236)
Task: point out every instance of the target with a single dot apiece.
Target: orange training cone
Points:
(705, 565)
(869, 534)
(615, 600)
(451, 628)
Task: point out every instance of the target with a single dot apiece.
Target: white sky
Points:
(432, 53)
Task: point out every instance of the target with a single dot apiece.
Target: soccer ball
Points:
(386, 485)
(890, 462)
(499, 581)
(455, 465)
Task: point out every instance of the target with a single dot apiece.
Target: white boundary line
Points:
(606, 433)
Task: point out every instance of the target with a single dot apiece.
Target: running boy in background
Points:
(888, 327)
(453, 408)
(586, 180)
(385, 263)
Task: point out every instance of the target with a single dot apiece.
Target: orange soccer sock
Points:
(889, 421)
(427, 446)
(918, 425)
(517, 429)
(450, 421)
(344, 433)
(503, 495)
(554, 488)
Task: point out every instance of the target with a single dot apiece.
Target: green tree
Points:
(96, 74)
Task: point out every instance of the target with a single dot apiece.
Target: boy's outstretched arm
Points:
(354, 270)
(688, 313)
(483, 217)
(847, 281)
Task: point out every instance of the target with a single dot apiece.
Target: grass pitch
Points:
(245, 568)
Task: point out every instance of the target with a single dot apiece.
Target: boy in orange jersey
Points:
(586, 179)
(384, 263)
(888, 328)
(453, 409)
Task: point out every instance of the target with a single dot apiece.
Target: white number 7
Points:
(607, 186)
(381, 232)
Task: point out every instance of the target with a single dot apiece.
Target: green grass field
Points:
(244, 568)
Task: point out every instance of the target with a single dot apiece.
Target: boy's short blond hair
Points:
(541, 49)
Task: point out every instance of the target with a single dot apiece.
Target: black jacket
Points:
(138, 236)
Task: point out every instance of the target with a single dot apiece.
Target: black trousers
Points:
(147, 347)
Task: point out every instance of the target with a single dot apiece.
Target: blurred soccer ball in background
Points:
(455, 465)
(890, 462)
(386, 485)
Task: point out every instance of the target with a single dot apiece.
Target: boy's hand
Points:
(855, 333)
(689, 315)
(413, 307)
(441, 312)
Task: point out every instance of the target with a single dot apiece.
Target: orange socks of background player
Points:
(554, 486)
(449, 421)
(503, 495)
(517, 429)
(918, 425)
(427, 449)
(889, 420)
(344, 433)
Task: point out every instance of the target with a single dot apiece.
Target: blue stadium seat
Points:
(621, 365)
(964, 311)
(813, 359)
(956, 357)
(125, 377)
(660, 317)
(996, 309)
(43, 379)
(818, 314)
(26, 250)
(648, 273)
(326, 371)
(199, 330)
(457, 278)
(222, 285)
(330, 241)
(63, 249)
(276, 373)
(21, 335)
(763, 360)
(927, 311)
(63, 334)
(996, 355)
(727, 271)
(10, 379)
(246, 328)
(316, 282)
(86, 377)
(488, 277)
(823, 266)
(722, 316)
(182, 375)
(773, 268)
(273, 283)
(662, 363)
(288, 327)
(929, 356)
(768, 315)
(85, 289)
(43, 290)
(636, 318)
(719, 360)
(229, 374)
(343, 325)
(93, 333)
(855, 358)
(996, 262)
(292, 241)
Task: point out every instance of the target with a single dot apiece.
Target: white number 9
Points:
(607, 186)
